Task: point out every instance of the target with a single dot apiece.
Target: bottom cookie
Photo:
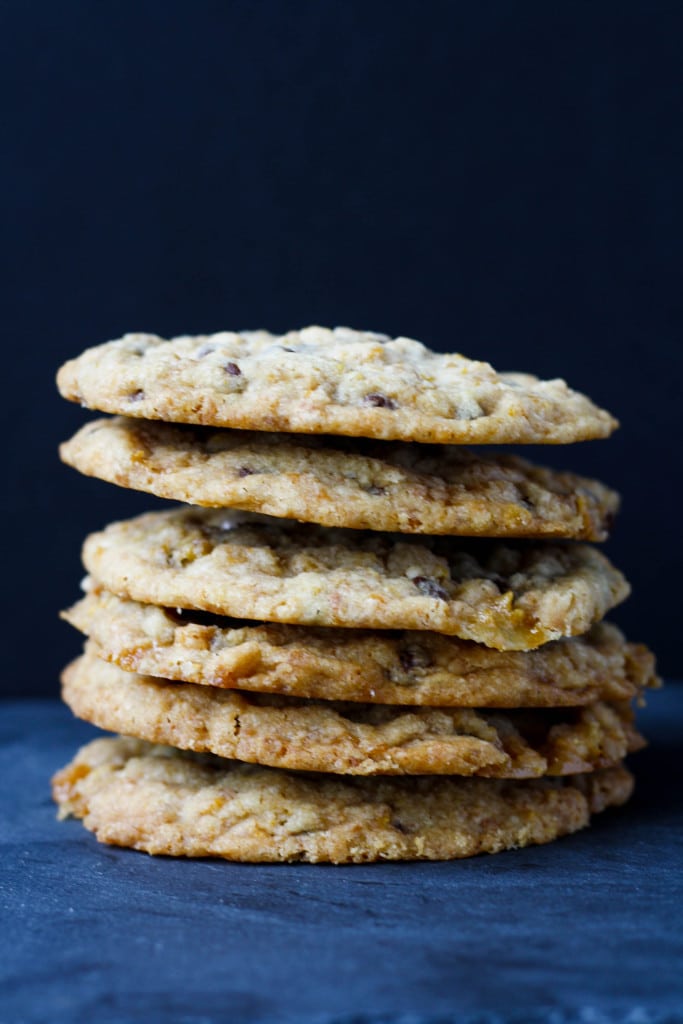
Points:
(165, 801)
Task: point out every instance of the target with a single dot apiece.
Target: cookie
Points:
(349, 739)
(163, 801)
(374, 667)
(328, 381)
(376, 485)
(512, 596)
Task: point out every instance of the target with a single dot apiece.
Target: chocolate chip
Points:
(413, 657)
(381, 401)
(430, 587)
(407, 660)
(136, 396)
(205, 350)
(400, 827)
(233, 369)
(285, 349)
(374, 489)
(245, 471)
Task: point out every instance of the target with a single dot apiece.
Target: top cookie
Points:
(328, 381)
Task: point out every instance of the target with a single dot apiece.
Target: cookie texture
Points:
(160, 800)
(337, 381)
(362, 485)
(353, 739)
(513, 596)
(373, 667)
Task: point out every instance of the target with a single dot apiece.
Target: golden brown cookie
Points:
(328, 381)
(363, 485)
(160, 800)
(513, 596)
(344, 664)
(353, 739)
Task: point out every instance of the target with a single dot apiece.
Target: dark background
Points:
(501, 179)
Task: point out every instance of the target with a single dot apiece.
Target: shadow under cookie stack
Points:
(359, 639)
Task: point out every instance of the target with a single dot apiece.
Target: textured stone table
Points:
(585, 930)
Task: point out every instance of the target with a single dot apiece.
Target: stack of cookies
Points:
(358, 640)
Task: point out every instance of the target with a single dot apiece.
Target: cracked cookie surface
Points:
(337, 381)
(163, 801)
(344, 664)
(378, 486)
(510, 596)
(353, 739)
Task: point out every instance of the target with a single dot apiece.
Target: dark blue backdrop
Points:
(498, 178)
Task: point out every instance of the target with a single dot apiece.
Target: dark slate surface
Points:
(585, 930)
